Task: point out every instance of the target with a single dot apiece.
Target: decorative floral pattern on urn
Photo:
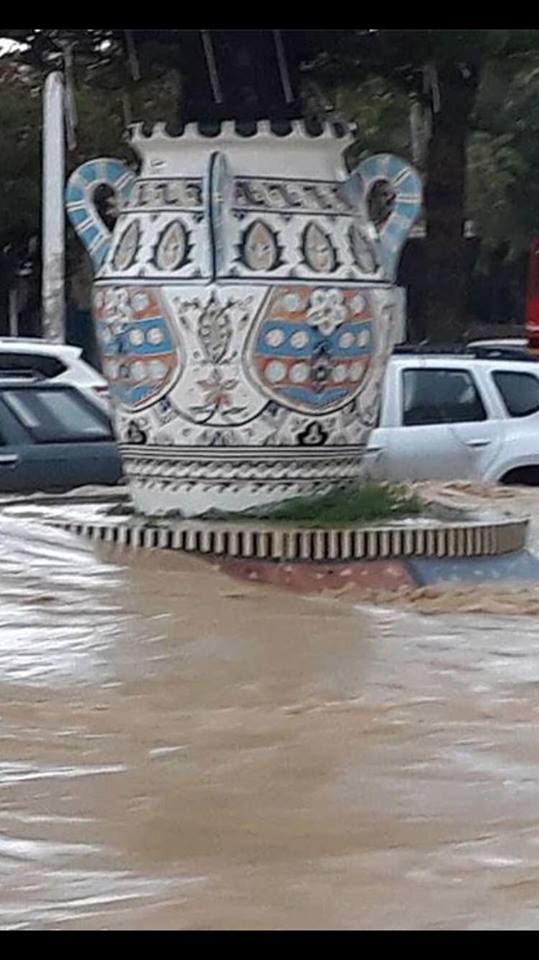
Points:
(245, 308)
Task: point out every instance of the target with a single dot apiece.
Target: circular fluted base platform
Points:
(250, 541)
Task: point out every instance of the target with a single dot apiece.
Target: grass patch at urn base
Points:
(352, 505)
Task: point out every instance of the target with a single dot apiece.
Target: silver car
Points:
(57, 362)
(453, 417)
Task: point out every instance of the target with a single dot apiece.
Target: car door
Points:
(28, 466)
(444, 428)
(53, 440)
(17, 471)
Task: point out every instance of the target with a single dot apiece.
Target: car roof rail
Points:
(464, 350)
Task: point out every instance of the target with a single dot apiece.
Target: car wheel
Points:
(525, 476)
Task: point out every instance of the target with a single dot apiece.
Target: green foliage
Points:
(19, 158)
(495, 171)
(381, 115)
(104, 116)
(503, 159)
(372, 76)
(353, 505)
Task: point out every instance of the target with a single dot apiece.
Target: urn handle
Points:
(81, 208)
(389, 192)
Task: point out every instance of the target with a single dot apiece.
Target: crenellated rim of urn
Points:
(312, 150)
(302, 130)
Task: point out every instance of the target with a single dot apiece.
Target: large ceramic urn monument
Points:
(245, 302)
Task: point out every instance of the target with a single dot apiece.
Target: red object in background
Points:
(532, 299)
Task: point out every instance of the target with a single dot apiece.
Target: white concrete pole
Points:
(53, 235)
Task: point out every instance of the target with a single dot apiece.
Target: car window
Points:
(56, 416)
(32, 362)
(520, 392)
(440, 396)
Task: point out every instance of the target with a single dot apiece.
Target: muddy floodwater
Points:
(183, 750)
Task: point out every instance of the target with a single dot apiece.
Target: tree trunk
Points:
(443, 314)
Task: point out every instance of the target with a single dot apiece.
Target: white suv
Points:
(60, 362)
(448, 417)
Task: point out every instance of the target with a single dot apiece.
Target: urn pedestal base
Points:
(196, 480)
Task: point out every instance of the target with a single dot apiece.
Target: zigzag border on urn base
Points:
(188, 479)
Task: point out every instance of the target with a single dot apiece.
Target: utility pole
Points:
(53, 235)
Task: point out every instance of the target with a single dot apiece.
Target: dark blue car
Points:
(53, 438)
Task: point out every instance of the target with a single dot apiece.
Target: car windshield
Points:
(56, 416)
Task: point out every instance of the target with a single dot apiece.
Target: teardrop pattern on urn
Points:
(260, 250)
(172, 248)
(318, 251)
(363, 249)
(126, 252)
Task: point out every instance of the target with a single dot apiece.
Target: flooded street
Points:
(182, 750)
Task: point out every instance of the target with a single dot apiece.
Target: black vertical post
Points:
(241, 75)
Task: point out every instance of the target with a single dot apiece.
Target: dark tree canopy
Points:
(183, 75)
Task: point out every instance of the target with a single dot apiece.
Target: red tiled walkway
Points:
(382, 575)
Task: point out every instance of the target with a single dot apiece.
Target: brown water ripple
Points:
(181, 751)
